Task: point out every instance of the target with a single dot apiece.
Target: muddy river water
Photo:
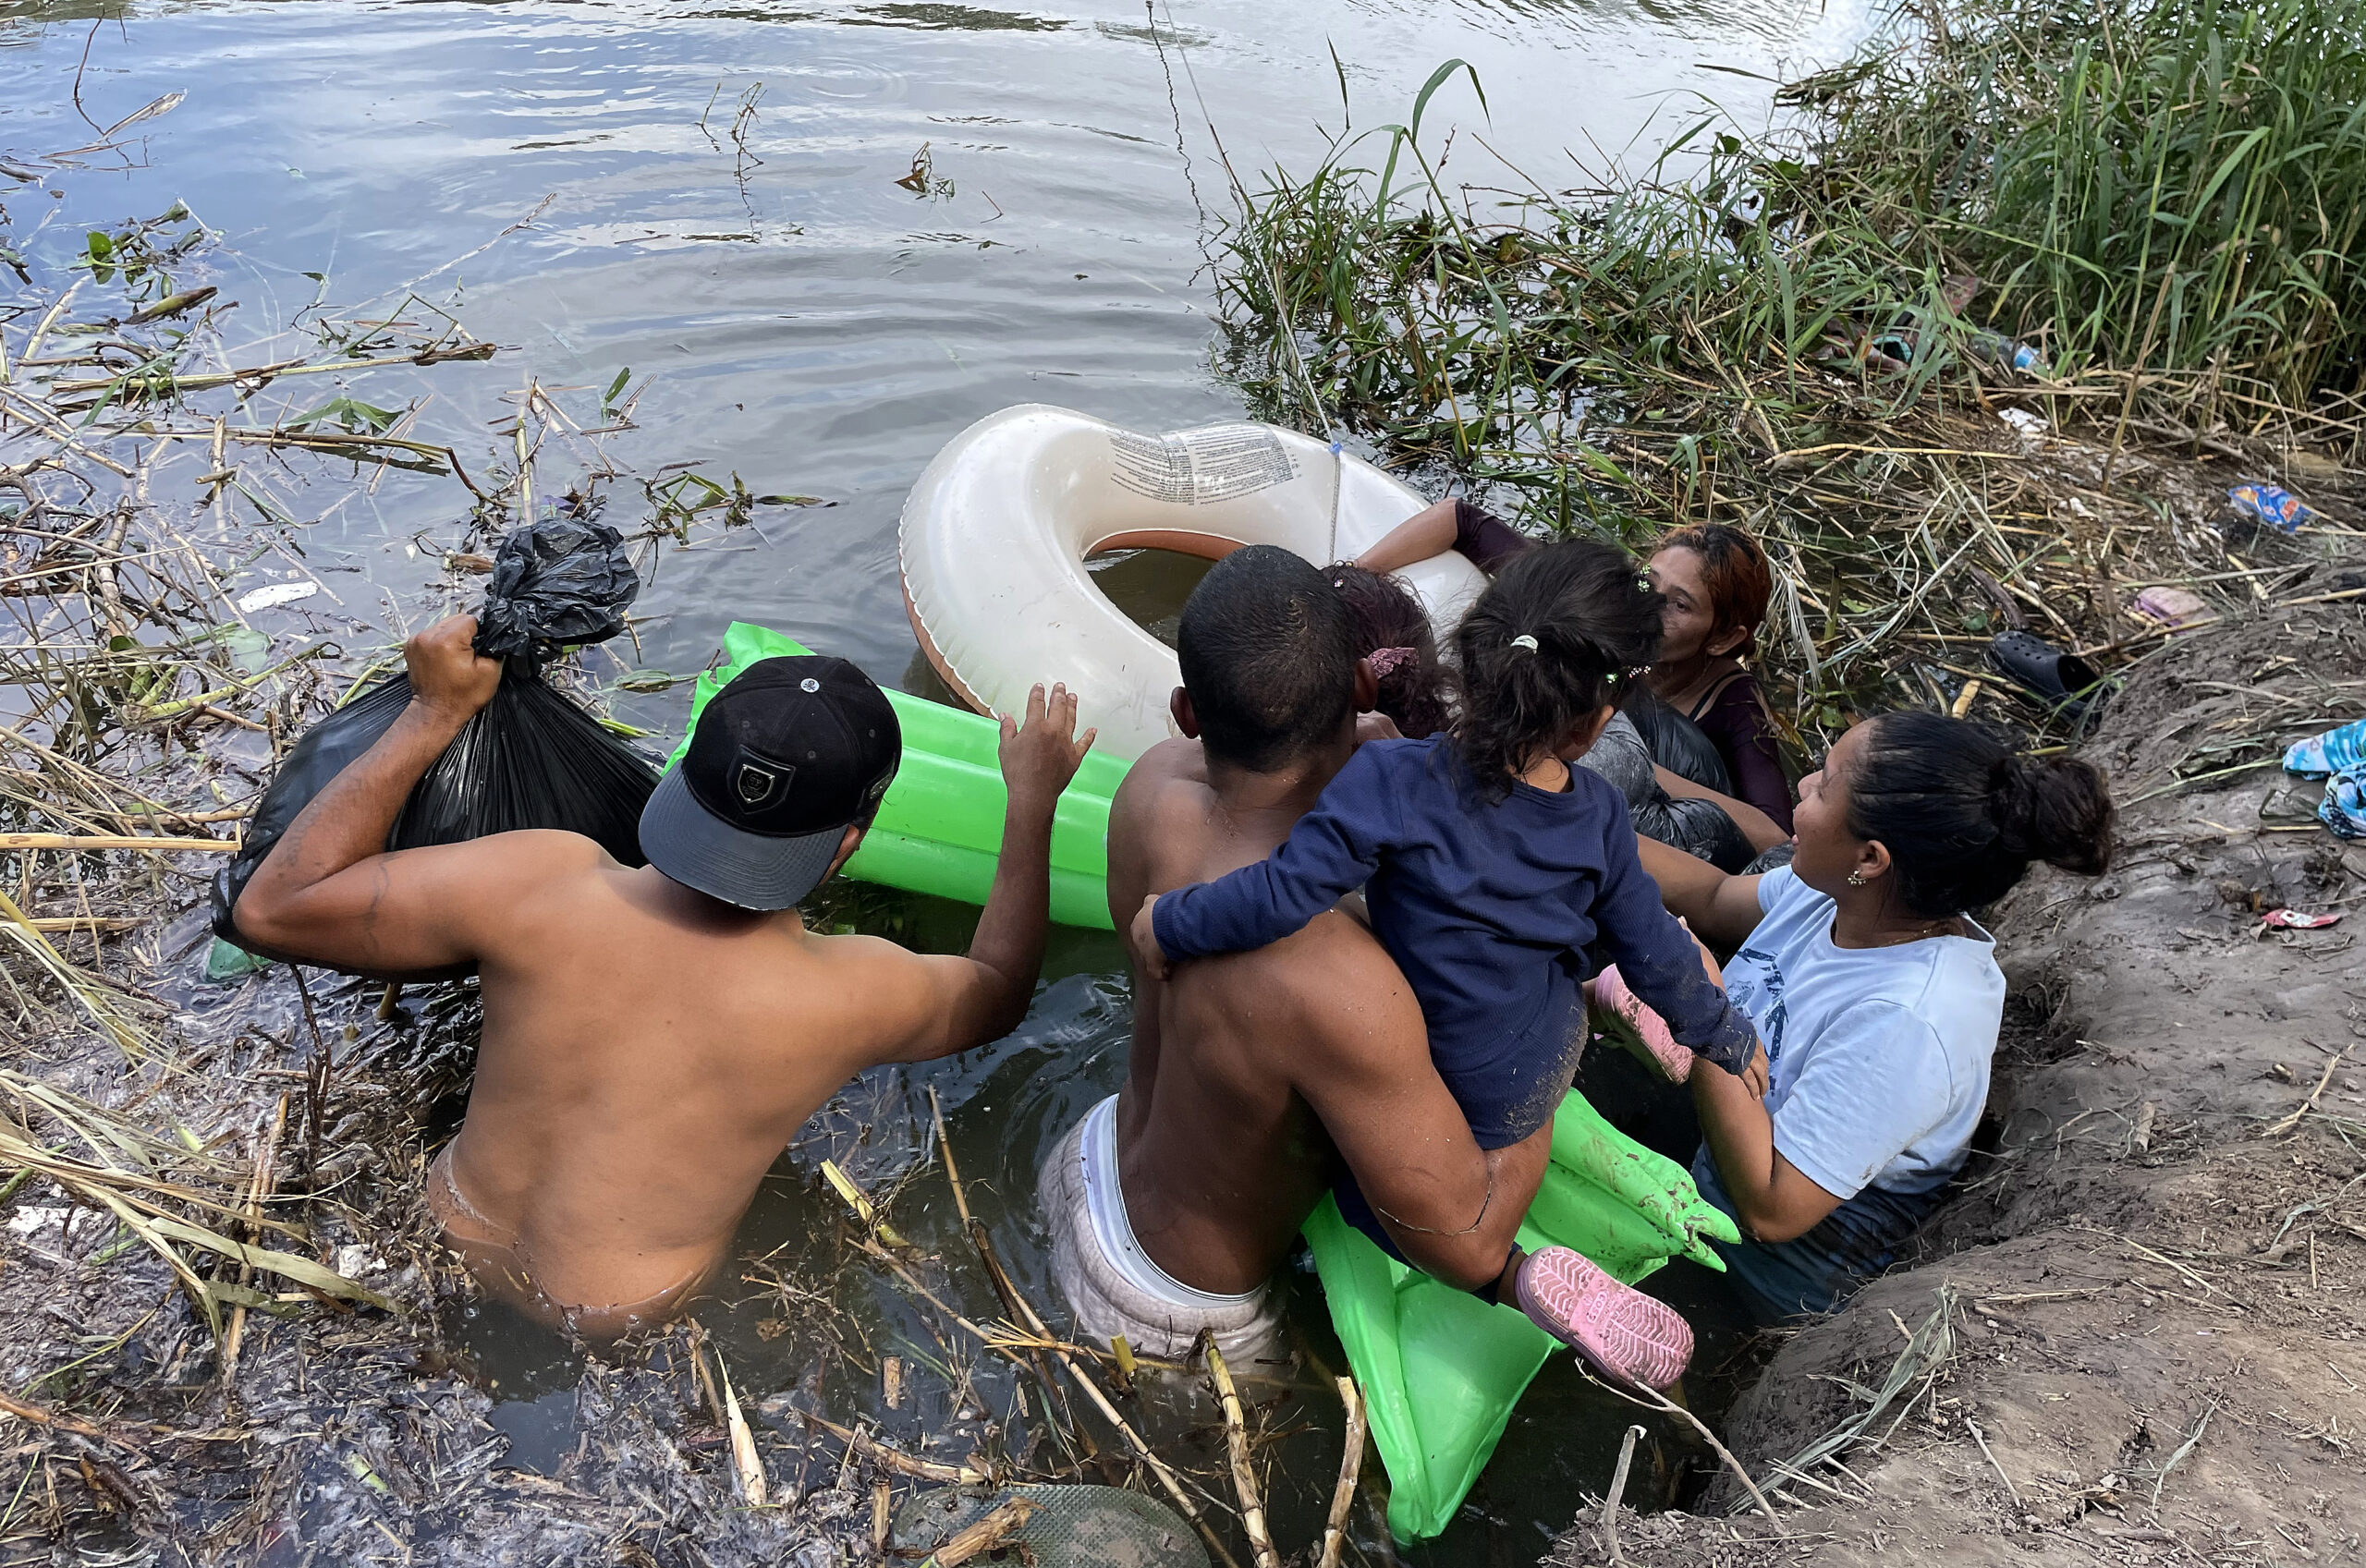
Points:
(713, 192)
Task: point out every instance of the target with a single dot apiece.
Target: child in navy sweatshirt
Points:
(1490, 870)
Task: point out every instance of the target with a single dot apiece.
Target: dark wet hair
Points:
(1963, 814)
(1594, 622)
(1735, 573)
(1387, 616)
(1268, 655)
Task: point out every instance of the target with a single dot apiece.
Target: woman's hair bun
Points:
(2053, 809)
(1963, 814)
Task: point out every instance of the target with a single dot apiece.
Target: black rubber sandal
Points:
(2053, 675)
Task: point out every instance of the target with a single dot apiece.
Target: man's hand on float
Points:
(1041, 754)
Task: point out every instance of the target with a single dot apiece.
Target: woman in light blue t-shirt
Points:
(1875, 995)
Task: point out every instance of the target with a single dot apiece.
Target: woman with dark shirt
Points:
(1716, 582)
(1484, 539)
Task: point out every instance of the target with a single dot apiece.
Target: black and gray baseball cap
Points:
(783, 760)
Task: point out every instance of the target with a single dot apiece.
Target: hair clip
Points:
(1524, 640)
(1386, 662)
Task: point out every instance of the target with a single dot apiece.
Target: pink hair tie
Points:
(1386, 662)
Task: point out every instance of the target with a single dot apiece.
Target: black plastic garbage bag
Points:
(529, 758)
(1676, 743)
(564, 581)
(1700, 828)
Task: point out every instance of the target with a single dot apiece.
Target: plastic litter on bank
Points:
(2175, 608)
(271, 596)
(2271, 505)
(1997, 350)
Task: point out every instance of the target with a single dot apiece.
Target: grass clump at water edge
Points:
(1808, 332)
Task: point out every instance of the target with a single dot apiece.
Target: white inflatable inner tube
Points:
(996, 533)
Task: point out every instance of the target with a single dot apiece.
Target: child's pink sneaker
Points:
(1611, 995)
(1620, 1331)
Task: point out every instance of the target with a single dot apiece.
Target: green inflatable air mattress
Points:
(940, 828)
(1440, 1369)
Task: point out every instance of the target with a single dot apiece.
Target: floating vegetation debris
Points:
(232, 1309)
(224, 1303)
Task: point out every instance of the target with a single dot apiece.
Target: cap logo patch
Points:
(756, 785)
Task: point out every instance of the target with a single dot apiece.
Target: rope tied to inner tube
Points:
(1338, 483)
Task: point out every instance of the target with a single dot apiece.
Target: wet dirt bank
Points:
(2138, 1334)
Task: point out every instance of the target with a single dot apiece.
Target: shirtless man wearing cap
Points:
(655, 1036)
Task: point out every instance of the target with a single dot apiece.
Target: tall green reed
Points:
(2171, 189)
(2164, 196)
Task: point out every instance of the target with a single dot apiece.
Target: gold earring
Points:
(1856, 879)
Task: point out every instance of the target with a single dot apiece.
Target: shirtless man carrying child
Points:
(653, 1038)
(1256, 1078)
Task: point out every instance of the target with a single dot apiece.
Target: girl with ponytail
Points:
(1876, 993)
(1491, 868)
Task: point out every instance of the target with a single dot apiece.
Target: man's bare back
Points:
(639, 1075)
(1252, 1074)
(1259, 1079)
(648, 1050)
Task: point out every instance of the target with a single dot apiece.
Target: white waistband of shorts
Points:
(1113, 1228)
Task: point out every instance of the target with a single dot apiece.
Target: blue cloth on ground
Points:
(1488, 909)
(2336, 750)
(1878, 1071)
(2340, 752)
(2344, 807)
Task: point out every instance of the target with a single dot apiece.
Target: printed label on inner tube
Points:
(1198, 467)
